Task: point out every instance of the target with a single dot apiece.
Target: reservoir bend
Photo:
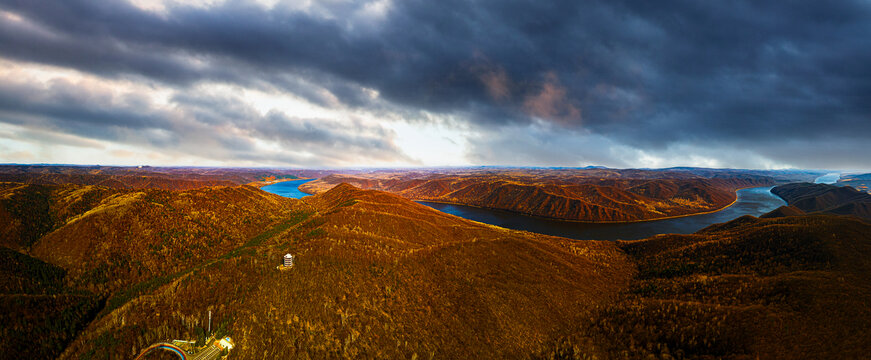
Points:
(751, 201)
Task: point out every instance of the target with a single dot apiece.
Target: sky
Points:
(344, 83)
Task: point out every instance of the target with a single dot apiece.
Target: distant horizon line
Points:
(587, 167)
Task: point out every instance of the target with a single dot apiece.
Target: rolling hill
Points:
(380, 276)
(70, 251)
(794, 287)
(146, 177)
(564, 196)
(841, 200)
(376, 276)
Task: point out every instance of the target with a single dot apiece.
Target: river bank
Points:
(750, 201)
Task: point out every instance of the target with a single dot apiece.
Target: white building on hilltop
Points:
(227, 343)
(288, 260)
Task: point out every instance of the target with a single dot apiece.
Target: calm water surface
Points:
(830, 178)
(753, 201)
(287, 188)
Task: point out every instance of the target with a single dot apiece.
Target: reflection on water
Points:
(830, 178)
(287, 188)
(753, 201)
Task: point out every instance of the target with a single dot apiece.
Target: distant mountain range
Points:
(856, 177)
(146, 177)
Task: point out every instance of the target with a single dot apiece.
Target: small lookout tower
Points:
(288, 260)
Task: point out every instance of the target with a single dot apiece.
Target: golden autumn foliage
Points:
(377, 276)
(102, 273)
(89, 247)
(775, 288)
(593, 196)
(147, 177)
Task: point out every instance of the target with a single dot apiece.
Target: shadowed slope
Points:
(32, 211)
(841, 200)
(39, 315)
(783, 211)
(782, 288)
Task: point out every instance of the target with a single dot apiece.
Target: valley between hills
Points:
(100, 272)
(590, 195)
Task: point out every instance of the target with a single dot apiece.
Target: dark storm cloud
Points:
(649, 74)
(63, 113)
(51, 138)
(334, 142)
(76, 109)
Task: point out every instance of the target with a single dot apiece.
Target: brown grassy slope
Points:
(563, 197)
(780, 288)
(378, 276)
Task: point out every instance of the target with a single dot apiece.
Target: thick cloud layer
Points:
(620, 83)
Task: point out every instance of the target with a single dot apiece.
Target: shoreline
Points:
(583, 221)
(260, 184)
(600, 222)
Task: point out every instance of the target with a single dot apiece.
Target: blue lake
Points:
(287, 188)
(830, 178)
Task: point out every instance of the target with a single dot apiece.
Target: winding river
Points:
(752, 201)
